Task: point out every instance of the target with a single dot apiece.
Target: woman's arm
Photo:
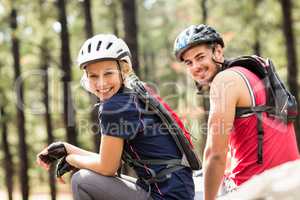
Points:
(71, 149)
(106, 162)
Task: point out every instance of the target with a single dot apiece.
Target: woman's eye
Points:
(108, 73)
(93, 76)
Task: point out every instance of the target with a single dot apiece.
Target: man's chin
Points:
(203, 85)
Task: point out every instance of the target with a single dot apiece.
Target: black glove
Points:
(56, 151)
(63, 167)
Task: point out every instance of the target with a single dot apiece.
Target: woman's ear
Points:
(126, 69)
(84, 81)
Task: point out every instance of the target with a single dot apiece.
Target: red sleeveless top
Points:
(279, 140)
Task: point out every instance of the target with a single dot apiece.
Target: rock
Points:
(279, 183)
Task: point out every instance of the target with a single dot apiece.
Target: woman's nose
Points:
(100, 83)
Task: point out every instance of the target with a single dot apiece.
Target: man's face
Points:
(199, 63)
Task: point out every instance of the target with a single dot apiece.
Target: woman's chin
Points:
(105, 97)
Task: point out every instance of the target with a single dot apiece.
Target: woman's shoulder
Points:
(122, 100)
(119, 116)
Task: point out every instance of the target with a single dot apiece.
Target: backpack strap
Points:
(246, 111)
(163, 175)
(172, 165)
(257, 110)
(134, 162)
(189, 157)
(260, 138)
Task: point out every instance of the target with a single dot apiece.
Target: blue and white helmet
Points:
(103, 47)
(194, 35)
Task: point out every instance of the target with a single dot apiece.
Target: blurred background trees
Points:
(41, 99)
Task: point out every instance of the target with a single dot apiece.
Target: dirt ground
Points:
(61, 195)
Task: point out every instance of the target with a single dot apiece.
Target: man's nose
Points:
(197, 68)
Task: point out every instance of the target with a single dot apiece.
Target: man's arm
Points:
(224, 94)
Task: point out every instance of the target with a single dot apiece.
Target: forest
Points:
(41, 99)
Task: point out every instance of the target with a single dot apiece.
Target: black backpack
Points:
(189, 157)
(280, 103)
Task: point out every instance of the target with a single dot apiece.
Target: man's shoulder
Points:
(227, 76)
(228, 85)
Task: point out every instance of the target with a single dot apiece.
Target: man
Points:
(200, 48)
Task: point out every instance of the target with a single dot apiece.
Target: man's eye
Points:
(200, 58)
(188, 63)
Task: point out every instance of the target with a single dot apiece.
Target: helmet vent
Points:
(99, 45)
(119, 51)
(89, 48)
(102, 47)
(109, 45)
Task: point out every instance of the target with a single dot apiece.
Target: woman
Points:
(127, 130)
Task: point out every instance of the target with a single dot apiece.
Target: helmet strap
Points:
(217, 62)
(199, 88)
(119, 68)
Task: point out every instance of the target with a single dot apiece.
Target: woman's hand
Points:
(70, 159)
(60, 180)
(51, 154)
(40, 162)
(63, 167)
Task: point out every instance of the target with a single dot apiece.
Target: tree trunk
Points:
(146, 65)
(89, 30)
(44, 62)
(114, 17)
(45, 58)
(256, 45)
(69, 112)
(287, 24)
(23, 167)
(153, 67)
(8, 164)
(204, 11)
(131, 29)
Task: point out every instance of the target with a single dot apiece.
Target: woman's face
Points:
(104, 78)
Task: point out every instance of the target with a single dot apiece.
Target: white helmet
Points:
(103, 47)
